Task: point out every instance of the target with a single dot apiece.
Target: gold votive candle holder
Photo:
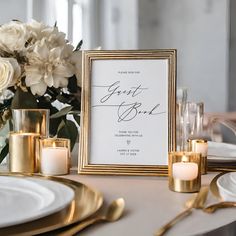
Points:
(54, 156)
(200, 146)
(184, 170)
(23, 152)
(31, 121)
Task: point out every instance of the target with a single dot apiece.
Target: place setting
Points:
(33, 199)
(47, 203)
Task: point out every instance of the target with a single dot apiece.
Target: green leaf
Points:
(62, 99)
(4, 152)
(61, 125)
(72, 85)
(54, 123)
(77, 119)
(74, 112)
(70, 131)
(23, 100)
(64, 111)
(78, 47)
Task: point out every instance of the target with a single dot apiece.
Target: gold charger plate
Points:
(86, 202)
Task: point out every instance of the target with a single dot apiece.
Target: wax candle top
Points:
(185, 170)
(199, 146)
(54, 160)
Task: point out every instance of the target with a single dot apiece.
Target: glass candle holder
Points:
(31, 121)
(200, 146)
(23, 152)
(189, 123)
(54, 156)
(184, 171)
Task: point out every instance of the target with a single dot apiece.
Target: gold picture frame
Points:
(110, 80)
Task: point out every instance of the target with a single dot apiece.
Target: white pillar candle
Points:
(54, 160)
(185, 170)
(201, 148)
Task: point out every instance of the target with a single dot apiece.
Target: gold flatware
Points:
(198, 202)
(212, 208)
(199, 199)
(113, 213)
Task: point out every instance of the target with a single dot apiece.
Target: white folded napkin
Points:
(227, 186)
(224, 150)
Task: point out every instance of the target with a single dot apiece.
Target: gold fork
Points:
(198, 202)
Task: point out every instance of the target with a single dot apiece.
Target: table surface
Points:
(150, 204)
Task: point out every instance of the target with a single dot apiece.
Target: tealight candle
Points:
(200, 146)
(54, 156)
(184, 171)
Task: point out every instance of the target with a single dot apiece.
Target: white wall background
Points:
(12, 9)
(198, 29)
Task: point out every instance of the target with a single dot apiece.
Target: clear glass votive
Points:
(54, 156)
(184, 170)
(181, 100)
(189, 123)
(200, 146)
(31, 121)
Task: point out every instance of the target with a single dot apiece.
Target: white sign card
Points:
(128, 126)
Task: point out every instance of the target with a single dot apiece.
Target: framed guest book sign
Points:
(128, 112)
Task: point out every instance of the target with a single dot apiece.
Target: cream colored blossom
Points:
(39, 31)
(13, 36)
(9, 72)
(48, 67)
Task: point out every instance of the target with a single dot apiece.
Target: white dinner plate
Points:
(27, 199)
(227, 186)
(221, 152)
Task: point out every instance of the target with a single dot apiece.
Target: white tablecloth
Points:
(150, 204)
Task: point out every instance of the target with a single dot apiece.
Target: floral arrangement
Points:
(39, 69)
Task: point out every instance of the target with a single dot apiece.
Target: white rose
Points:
(9, 72)
(13, 36)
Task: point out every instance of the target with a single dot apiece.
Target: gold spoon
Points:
(114, 212)
(212, 208)
(197, 202)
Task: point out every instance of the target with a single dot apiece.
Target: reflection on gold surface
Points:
(31, 121)
(23, 159)
(214, 188)
(86, 202)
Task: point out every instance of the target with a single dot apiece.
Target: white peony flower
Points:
(13, 36)
(48, 67)
(39, 31)
(9, 72)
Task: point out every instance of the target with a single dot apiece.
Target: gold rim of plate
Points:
(213, 186)
(87, 201)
